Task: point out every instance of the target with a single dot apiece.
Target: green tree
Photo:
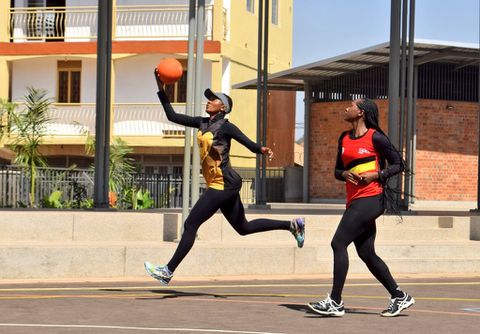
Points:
(29, 126)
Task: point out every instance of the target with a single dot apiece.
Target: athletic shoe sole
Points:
(330, 314)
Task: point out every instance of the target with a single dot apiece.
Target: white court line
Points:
(151, 329)
(476, 310)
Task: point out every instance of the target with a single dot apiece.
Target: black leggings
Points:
(358, 225)
(228, 201)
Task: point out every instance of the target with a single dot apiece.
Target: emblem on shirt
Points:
(363, 151)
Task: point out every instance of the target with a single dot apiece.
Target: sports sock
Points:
(397, 293)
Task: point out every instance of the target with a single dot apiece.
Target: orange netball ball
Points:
(169, 70)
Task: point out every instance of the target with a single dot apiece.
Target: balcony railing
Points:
(155, 22)
(128, 120)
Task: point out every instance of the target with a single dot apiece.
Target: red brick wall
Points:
(281, 127)
(447, 150)
(447, 146)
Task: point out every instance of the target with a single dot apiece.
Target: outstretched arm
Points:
(239, 136)
(172, 116)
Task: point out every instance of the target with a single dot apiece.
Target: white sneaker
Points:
(328, 307)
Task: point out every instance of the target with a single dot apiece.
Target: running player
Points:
(214, 138)
(361, 157)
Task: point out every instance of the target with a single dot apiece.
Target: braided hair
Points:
(371, 118)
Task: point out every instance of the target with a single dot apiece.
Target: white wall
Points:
(134, 79)
(21, 3)
(39, 73)
(226, 83)
(69, 3)
(42, 73)
(89, 81)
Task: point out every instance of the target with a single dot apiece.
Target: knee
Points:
(366, 256)
(242, 231)
(337, 245)
(190, 227)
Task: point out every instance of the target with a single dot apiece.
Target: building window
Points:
(177, 92)
(36, 3)
(69, 78)
(251, 6)
(275, 12)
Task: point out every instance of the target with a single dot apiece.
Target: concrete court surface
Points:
(443, 305)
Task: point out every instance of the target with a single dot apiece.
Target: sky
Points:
(327, 28)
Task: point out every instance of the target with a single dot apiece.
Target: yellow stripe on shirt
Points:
(365, 167)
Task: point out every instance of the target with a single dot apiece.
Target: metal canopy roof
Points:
(462, 54)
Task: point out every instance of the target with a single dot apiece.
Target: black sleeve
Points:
(389, 153)
(235, 133)
(339, 168)
(174, 117)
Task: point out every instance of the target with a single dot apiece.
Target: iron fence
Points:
(76, 187)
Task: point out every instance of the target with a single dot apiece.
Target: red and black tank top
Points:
(359, 156)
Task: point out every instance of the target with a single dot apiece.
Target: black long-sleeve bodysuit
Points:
(365, 203)
(214, 139)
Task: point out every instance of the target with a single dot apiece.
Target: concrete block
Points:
(157, 253)
(118, 226)
(172, 226)
(232, 259)
(475, 228)
(461, 225)
(445, 222)
(61, 261)
(314, 260)
(36, 226)
(207, 259)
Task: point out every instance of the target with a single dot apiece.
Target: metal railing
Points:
(132, 119)
(79, 23)
(440, 81)
(76, 186)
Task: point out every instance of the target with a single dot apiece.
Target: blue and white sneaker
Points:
(161, 273)
(328, 307)
(297, 228)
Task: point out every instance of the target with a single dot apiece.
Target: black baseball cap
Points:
(226, 100)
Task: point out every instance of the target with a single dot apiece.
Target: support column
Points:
(103, 103)
(410, 97)
(198, 97)
(265, 100)
(258, 174)
(403, 74)
(306, 142)
(189, 111)
(478, 134)
(394, 73)
(393, 86)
